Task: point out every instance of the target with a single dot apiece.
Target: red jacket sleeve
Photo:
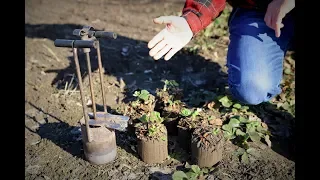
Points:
(200, 13)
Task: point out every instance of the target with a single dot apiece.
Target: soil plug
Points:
(207, 146)
(152, 138)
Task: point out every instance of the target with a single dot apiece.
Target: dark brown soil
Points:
(207, 138)
(53, 145)
(142, 131)
(188, 122)
(171, 125)
(184, 138)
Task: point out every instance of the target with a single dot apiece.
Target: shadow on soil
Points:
(282, 126)
(68, 137)
(136, 68)
(60, 133)
(139, 71)
(160, 176)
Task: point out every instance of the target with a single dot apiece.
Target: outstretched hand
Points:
(171, 39)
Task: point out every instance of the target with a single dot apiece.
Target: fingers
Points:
(267, 19)
(162, 52)
(172, 52)
(163, 20)
(274, 22)
(157, 48)
(277, 23)
(278, 26)
(156, 39)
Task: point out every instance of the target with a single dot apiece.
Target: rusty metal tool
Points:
(99, 141)
(75, 44)
(104, 118)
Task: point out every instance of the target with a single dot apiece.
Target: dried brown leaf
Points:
(210, 105)
(217, 122)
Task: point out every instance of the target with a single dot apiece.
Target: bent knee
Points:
(246, 97)
(252, 92)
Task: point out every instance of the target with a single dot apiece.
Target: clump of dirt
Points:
(195, 117)
(169, 99)
(188, 123)
(207, 137)
(150, 131)
(207, 146)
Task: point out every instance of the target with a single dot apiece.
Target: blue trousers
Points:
(255, 56)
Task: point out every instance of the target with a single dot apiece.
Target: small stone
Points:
(46, 177)
(76, 130)
(35, 142)
(78, 104)
(43, 121)
(89, 103)
(147, 71)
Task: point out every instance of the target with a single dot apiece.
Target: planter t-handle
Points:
(75, 44)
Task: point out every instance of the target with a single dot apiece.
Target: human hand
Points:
(171, 39)
(276, 11)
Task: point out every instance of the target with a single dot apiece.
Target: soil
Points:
(143, 133)
(53, 145)
(206, 147)
(184, 138)
(189, 123)
(206, 138)
(171, 125)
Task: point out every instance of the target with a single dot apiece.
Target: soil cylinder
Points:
(207, 156)
(151, 150)
(102, 149)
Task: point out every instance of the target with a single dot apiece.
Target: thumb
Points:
(163, 20)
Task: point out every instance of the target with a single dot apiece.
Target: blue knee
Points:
(251, 92)
(246, 97)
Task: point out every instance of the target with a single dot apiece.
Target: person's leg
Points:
(255, 56)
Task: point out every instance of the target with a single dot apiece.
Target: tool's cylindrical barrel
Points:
(104, 34)
(97, 34)
(84, 44)
(75, 43)
(63, 43)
